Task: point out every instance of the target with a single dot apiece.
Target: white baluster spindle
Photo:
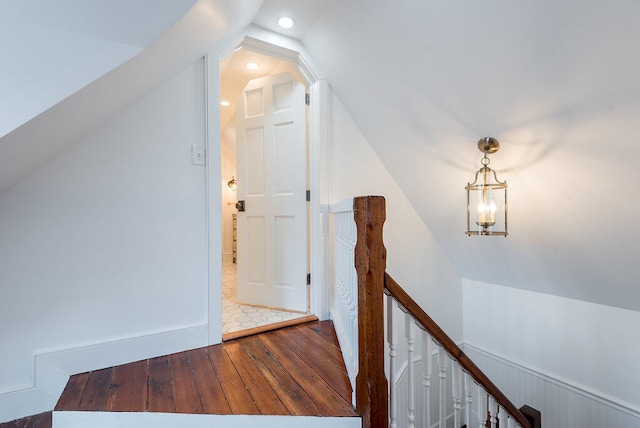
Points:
(468, 388)
(503, 417)
(442, 363)
(411, 402)
(456, 390)
(392, 340)
(427, 370)
(482, 407)
(493, 411)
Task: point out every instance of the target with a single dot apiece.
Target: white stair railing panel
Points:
(415, 399)
(344, 298)
(430, 404)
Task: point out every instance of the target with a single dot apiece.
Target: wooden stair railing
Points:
(372, 393)
(402, 297)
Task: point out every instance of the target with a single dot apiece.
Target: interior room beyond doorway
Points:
(234, 76)
(236, 316)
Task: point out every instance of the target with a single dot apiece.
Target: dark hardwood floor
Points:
(296, 370)
(292, 371)
(42, 420)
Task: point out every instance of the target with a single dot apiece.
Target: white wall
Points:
(414, 258)
(532, 344)
(108, 240)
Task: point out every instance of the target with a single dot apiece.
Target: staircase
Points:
(432, 383)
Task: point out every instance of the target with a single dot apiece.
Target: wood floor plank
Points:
(325, 330)
(96, 392)
(292, 395)
(185, 391)
(43, 420)
(239, 398)
(212, 396)
(328, 364)
(72, 394)
(18, 423)
(128, 392)
(314, 345)
(265, 397)
(159, 388)
(326, 398)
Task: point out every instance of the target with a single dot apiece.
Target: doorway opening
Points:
(247, 310)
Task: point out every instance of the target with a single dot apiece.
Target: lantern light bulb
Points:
(486, 213)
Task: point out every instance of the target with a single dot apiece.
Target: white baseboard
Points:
(53, 367)
(24, 402)
(172, 420)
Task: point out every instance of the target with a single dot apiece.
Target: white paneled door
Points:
(272, 181)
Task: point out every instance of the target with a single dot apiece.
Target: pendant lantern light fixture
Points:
(487, 197)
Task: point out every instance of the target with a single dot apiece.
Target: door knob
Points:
(240, 206)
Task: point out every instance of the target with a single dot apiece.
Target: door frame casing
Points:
(287, 49)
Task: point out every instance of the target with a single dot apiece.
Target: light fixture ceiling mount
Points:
(488, 145)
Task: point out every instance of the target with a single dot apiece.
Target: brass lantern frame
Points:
(485, 226)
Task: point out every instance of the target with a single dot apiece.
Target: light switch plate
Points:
(197, 155)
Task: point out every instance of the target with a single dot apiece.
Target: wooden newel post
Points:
(371, 262)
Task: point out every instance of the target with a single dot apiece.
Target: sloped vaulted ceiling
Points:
(50, 49)
(557, 83)
(75, 114)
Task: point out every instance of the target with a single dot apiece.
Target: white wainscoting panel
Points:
(562, 405)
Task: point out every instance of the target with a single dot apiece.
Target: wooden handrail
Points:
(393, 289)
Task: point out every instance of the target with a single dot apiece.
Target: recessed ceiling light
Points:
(252, 66)
(286, 22)
(225, 103)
